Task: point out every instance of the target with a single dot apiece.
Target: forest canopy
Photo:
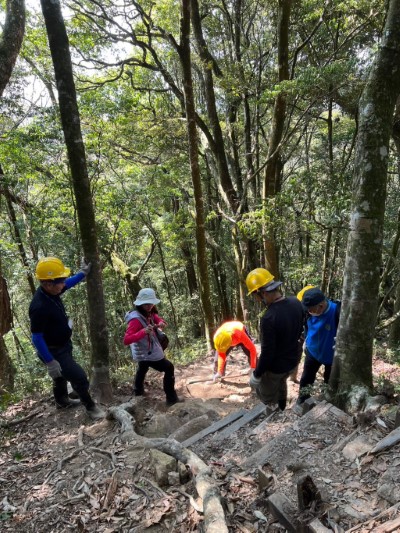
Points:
(276, 93)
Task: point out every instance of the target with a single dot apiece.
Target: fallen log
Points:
(207, 489)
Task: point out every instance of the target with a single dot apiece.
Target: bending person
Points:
(227, 336)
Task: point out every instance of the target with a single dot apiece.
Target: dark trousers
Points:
(163, 365)
(71, 372)
(311, 367)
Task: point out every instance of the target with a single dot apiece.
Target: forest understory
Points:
(60, 472)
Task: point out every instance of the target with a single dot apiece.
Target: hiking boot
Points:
(138, 393)
(168, 403)
(282, 404)
(67, 403)
(95, 412)
(298, 409)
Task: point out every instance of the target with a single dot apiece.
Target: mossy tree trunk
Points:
(352, 367)
(274, 167)
(70, 119)
(185, 57)
(11, 39)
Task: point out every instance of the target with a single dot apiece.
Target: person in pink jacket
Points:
(145, 347)
(227, 336)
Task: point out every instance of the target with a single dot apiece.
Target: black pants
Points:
(72, 372)
(163, 365)
(311, 367)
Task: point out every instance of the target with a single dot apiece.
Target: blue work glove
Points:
(85, 267)
(254, 382)
(54, 369)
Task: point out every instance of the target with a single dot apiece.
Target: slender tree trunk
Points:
(272, 175)
(7, 370)
(11, 39)
(394, 332)
(195, 170)
(70, 119)
(208, 63)
(352, 367)
(17, 234)
(326, 261)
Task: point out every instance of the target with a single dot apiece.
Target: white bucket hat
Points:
(146, 296)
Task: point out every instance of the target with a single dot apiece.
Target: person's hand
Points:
(149, 328)
(54, 369)
(254, 382)
(217, 376)
(85, 267)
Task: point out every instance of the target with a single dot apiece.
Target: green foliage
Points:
(128, 75)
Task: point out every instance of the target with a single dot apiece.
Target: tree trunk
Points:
(208, 63)
(195, 170)
(11, 39)
(70, 119)
(7, 370)
(352, 367)
(394, 332)
(272, 175)
(17, 234)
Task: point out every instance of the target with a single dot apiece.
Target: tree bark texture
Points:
(273, 169)
(185, 57)
(70, 119)
(208, 63)
(17, 234)
(11, 39)
(353, 361)
(7, 370)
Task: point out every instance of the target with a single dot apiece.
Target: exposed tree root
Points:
(207, 489)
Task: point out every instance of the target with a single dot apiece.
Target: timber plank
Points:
(219, 424)
(284, 511)
(245, 419)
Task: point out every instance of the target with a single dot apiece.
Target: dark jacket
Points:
(281, 328)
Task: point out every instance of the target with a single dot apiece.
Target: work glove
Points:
(216, 376)
(85, 267)
(54, 369)
(254, 382)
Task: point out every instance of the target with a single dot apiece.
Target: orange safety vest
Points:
(238, 334)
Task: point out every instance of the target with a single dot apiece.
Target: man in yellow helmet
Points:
(227, 336)
(281, 327)
(52, 330)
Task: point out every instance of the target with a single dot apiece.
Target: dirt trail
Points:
(60, 472)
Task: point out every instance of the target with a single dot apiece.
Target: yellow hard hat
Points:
(300, 294)
(222, 341)
(51, 268)
(257, 278)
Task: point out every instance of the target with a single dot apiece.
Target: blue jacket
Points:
(321, 331)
